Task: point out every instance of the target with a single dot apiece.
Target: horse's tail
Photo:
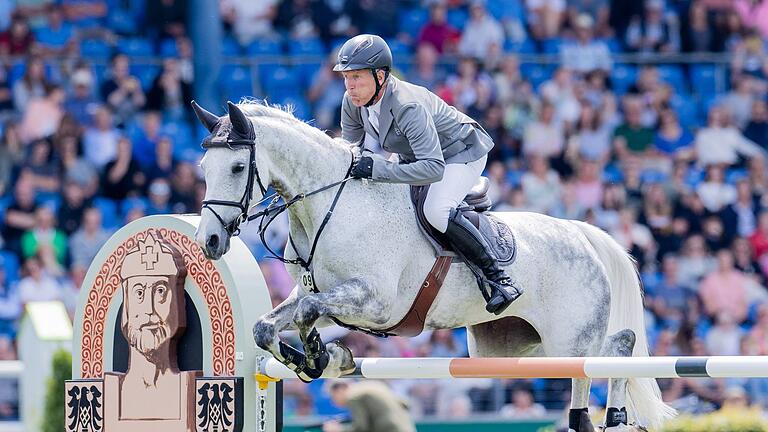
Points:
(627, 313)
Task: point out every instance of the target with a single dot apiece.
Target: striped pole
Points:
(543, 367)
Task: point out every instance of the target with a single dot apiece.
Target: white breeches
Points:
(449, 192)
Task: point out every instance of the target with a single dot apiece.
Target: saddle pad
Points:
(497, 233)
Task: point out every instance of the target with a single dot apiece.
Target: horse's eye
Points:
(238, 168)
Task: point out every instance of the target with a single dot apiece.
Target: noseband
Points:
(233, 227)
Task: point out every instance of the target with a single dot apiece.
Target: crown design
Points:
(151, 257)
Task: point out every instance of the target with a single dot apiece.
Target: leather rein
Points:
(274, 209)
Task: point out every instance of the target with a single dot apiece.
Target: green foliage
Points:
(53, 419)
(733, 420)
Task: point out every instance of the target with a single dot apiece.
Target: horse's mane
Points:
(255, 108)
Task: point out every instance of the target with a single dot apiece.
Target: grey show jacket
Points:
(421, 128)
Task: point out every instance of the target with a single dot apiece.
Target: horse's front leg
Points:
(266, 333)
(353, 299)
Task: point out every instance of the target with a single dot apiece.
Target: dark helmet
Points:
(364, 52)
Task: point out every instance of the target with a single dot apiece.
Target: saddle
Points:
(496, 232)
(475, 204)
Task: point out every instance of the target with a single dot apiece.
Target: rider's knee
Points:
(437, 216)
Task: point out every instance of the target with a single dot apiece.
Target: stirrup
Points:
(496, 305)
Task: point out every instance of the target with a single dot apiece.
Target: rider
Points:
(436, 145)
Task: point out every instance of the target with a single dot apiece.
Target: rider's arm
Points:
(419, 128)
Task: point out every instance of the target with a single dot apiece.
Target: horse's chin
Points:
(215, 254)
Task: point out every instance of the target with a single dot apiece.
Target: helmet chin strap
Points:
(378, 85)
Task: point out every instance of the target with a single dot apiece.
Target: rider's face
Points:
(360, 85)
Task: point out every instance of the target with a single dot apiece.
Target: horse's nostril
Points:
(213, 242)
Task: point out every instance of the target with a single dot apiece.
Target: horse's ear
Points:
(208, 119)
(240, 123)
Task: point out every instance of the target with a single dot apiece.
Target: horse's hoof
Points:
(343, 356)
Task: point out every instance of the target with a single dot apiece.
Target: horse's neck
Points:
(300, 167)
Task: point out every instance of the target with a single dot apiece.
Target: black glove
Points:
(363, 168)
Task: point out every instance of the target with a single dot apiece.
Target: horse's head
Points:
(232, 177)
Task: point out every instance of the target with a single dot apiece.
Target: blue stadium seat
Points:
(686, 109)
(168, 48)
(306, 47)
(95, 48)
(398, 48)
(704, 79)
(50, 199)
(536, 74)
(506, 9)
(299, 105)
(11, 265)
(525, 47)
(136, 47)
(612, 174)
(693, 177)
(705, 104)
(623, 76)
(236, 82)
(180, 134)
(613, 44)
(129, 204)
(109, 214)
(145, 73)
(121, 21)
(412, 20)
(5, 201)
(230, 47)
(552, 46)
(264, 47)
(652, 176)
(457, 18)
(735, 174)
(282, 83)
(673, 75)
(307, 67)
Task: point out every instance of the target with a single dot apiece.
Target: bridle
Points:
(274, 209)
(244, 205)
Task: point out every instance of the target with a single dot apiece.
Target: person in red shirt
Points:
(759, 239)
(438, 32)
(18, 39)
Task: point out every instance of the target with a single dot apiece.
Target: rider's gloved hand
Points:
(363, 168)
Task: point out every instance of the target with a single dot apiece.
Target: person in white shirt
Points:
(481, 34)
(100, 141)
(541, 186)
(544, 137)
(250, 19)
(585, 54)
(721, 143)
(38, 285)
(714, 192)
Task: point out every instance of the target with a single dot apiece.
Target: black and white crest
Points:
(219, 404)
(85, 407)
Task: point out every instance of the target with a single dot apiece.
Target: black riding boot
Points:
(469, 243)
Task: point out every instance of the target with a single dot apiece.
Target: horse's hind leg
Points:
(582, 340)
(351, 300)
(620, 344)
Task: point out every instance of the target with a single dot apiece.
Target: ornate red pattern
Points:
(201, 270)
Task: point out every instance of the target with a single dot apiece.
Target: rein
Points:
(268, 215)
